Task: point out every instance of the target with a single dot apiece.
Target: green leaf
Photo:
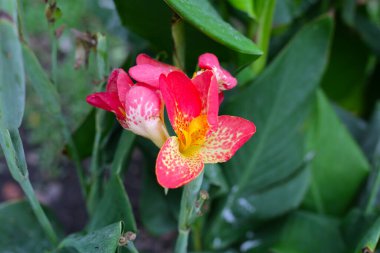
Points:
(336, 153)
(12, 79)
(288, 10)
(214, 180)
(370, 239)
(355, 226)
(41, 82)
(309, 233)
(277, 102)
(345, 76)
(124, 148)
(369, 31)
(84, 135)
(113, 206)
(202, 15)
(246, 6)
(20, 231)
(104, 240)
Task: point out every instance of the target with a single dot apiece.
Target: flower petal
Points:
(119, 82)
(208, 89)
(174, 169)
(149, 70)
(182, 99)
(143, 111)
(231, 134)
(107, 101)
(225, 80)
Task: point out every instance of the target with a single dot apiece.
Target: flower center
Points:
(192, 138)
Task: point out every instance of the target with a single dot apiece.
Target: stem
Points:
(54, 53)
(374, 191)
(189, 196)
(131, 247)
(263, 34)
(95, 162)
(14, 154)
(178, 35)
(74, 153)
(182, 241)
(95, 170)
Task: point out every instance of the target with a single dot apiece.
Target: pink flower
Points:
(202, 135)
(225, 80)
(137, 107)
(149, 70)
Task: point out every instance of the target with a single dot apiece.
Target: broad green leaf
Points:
(104, 240)
(277, 102)
(113, 206)
(309, 233)
(288, 10)
(20, 230)
(370, 239)
(246, 6)
(214, 180)
(124, 148)
(84, 135)
(345, 76)
(12, 79)
(202, 15)
(355, 125)
(300, 232)
(355, 226)
(339, 167)
(369, 31)
(261, 204)
(41, 82)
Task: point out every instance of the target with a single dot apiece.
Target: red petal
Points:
(225, 80)
(119, 82)
(231, 134)
(182, 99)
(173, 169)
(106, 101)
(208, 89)
(149, 70)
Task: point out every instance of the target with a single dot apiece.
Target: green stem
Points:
(14, 154)
(189, 197)
(178, 35)
(95, 168)
(54, 53)
(182, 241)
(74, 154)
(95, 162)
(374, 191)
(263, 34)
(131, 247)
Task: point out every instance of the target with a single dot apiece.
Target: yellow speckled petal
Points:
(173, 169)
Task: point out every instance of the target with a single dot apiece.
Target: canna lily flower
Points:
(137, 107)
(202, 135)
(225, 80)
(149, 70)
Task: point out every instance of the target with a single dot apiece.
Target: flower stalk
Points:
(187, 209)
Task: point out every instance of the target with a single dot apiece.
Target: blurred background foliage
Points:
(307, 182)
